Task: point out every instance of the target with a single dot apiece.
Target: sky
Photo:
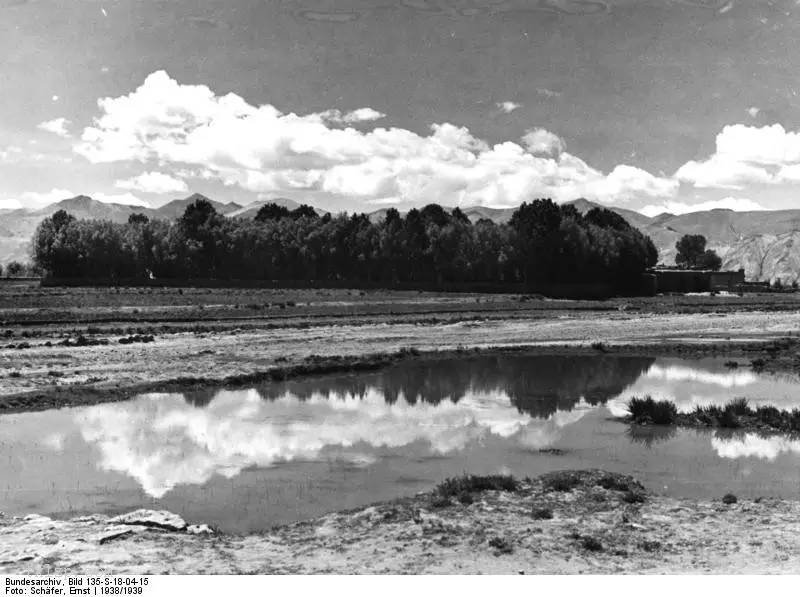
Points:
(650, 105)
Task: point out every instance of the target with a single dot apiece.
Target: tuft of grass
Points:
(467, 484)
(561, 481)
(542, 514)
(614, 482)
(599, 346)
(728, 418)
(650, 546)
(769, 415)
(440, 501)
(729, 498)
(633, 497)
(758, 364)
(591, 544)
(794, 420)
(466, 498)
(731, 364)
(644, 411)
(739, 406)
(501, 545)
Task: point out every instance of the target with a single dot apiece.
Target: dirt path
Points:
(572, 526)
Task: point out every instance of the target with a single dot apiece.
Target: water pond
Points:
(249, 459)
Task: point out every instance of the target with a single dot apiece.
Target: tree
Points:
(138, 219)
(544, 244)
(709, 260)
(692, 253)
(304, 211)
(271, 211)
(605, 218)
(15, 269)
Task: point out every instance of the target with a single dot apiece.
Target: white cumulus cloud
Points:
(678, 207)
(541, 141)
(57, 126)
(746, 155)
(153, 182)
(261, 149)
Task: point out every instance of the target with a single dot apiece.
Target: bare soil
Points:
(591, 525)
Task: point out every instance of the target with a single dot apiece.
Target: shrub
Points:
(646, 410)
(731, 364)
(758, 364)
(729, 498)
(542, 514)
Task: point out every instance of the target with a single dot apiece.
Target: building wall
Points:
(678, 280)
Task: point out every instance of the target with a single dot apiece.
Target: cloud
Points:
(10, 154)
(543, 91)
(746, 155)
(264, 150)
(356, 116)
(153, 182)
(35, 199)
(121, 199)
(540, 141)
(508, 107)
(722, 172)
(677, 207)
(755, 446)
(57, 126)
(11, 204)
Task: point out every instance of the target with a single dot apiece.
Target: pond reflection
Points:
(245, 460)
(754, 445)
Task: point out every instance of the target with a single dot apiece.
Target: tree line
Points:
(543, 244)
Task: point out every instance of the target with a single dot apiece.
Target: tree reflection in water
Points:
(537, 385)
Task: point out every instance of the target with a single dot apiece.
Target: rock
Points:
(199, 529)
(115, 533)
(160, 519)
(50, 539)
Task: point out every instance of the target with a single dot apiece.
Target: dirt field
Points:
(63, 346)
(593, 523)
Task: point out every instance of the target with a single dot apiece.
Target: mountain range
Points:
(765, 243)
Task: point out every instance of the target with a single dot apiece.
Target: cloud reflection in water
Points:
(163, 441)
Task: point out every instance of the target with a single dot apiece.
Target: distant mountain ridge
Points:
(765, 243)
